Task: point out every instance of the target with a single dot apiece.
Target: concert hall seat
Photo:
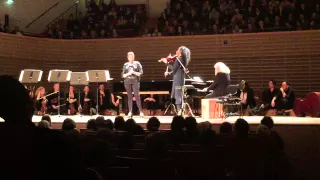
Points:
(308, 106)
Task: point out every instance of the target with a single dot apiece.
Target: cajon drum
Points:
(210, 109)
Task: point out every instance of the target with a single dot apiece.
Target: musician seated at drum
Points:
(54, 103)
(151, 104)
(268, 95)
(86, 102)
(108, 102)
(285, 98)
(221, 81)
(246, 96)
(72, 101)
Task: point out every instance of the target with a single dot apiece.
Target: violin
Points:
(44, 107)
(71, 105)
(169, 59)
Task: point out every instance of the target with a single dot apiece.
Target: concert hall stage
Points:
(166, 120)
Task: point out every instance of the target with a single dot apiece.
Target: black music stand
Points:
(59, 76)
(79, 79)
(98, 76)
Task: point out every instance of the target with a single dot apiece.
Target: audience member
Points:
(119, 123)
(153, 124)
(263, 130)
(177, 134)
(68, 125)
(268, 121)
(23, 105)
(100, 122)
(109, 124)
(44, 124)
(132, 127)
(203, 126)
(46, 118)
(155, 145)
(207, 139)
(241, 127)
(26, 147)
(191, 126)
(226, 128)
(230, 17)
(91, 125)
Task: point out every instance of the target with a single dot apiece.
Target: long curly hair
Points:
(186, 54)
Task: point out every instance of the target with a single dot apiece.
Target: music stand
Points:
(79, 79)
(30, 76)
(58, 76)
(185, 105)
(98, 76)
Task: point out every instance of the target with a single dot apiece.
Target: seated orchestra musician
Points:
(86, 102)
(246, 96)
(151, 104)
(108, 102)
(221, 81)
(71, 101)
(41, 101)
(267, 97)
(30, 91)
(285, 98)
(53, 100)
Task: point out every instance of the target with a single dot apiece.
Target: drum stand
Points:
(185, 106)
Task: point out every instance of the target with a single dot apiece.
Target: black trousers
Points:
(135, 88)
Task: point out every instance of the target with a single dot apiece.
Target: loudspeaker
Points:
(6, 20)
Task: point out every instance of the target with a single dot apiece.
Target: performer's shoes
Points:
(130, 114)
(141, 115)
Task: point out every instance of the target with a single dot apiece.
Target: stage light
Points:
(9, 2)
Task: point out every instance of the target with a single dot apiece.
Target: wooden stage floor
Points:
(285, 120)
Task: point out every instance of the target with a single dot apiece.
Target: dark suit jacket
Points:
(220, 84)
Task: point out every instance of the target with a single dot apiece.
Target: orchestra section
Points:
(67, 99)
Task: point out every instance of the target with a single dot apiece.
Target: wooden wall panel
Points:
(258, 57)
